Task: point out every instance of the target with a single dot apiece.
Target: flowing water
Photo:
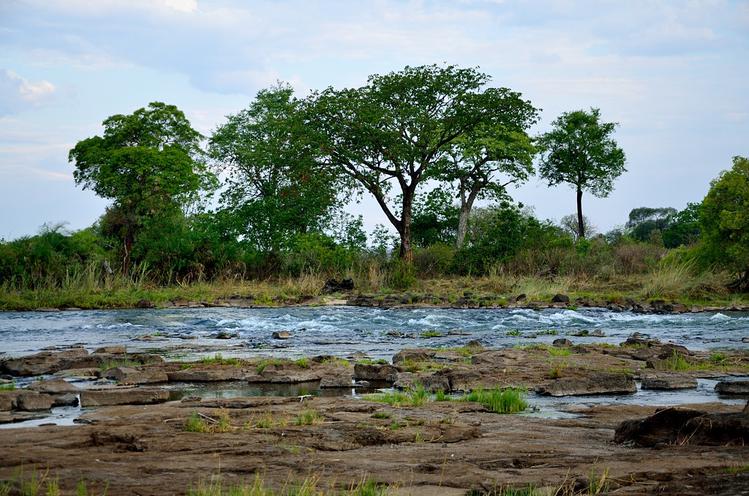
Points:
(341, 331)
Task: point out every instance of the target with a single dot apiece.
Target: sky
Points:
(673, 74)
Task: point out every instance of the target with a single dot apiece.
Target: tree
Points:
(580, 151)
(149, 163)
(277, 187)
(724, 217)
(435, 219)
(393, 132)
(683, 228)
(645, 221)
(569, 225)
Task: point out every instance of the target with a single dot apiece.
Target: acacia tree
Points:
(391, 133)
(485, 162)
(276, 185)
(580, 151)
(149, 163)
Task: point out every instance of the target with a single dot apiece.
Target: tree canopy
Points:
(580, 151)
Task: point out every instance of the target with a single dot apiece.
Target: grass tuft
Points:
(509, 400)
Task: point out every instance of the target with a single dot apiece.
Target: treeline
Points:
(426, 143)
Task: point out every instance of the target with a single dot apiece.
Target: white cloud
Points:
(18, 93)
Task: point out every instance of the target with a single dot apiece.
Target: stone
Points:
(337, 380)
(144, 304)
(129, 375)
(375, 372)
(560, 298)
(8, 400)
(598, 333)
(214, 374)
(405, 380)
(81, 374)
(281, 335)
(561, 343)
(336, 286)
(225, 335)
(46, 362)
(668, 382)
(67, 399)
(521, 297)
(111, 350)
(123, 396)
(733, 387)
(594, 383)
(413, 355)
(53, 386)
(30, 401)
(439, 381)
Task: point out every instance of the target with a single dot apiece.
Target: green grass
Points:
(302, 363)
(308, 487)
(509, 400)
(308, 417)
(380, 415)
(341, 362)
(8, 386)
(548, 332)
(440, 395)
(196, 423)
(513, 332)
(737, 469)
(218, 359)
(263, 364)
(111, 364)
(410, 397)
(369, 361)
(431, 334)
(558, 351)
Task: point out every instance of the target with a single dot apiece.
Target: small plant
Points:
(513, 332)
(558, 352)
(195, 423)
(218, 359)
(510, 400)
(431, 334)
(203, 424)
(556, 368)
(548, 332)
(308, 417)
(302, 363)
(369, 361)
(381, 415)
(598, 484)
(440, 395)
(263, 364)
(416, 396)
(336, 361)
(8, 386)
(718, 358)
(677, 362)
(395, 425)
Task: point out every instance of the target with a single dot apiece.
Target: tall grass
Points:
(508, 400)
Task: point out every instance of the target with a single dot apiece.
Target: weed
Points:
(411, 397)
(676, 362)
(395, 425)
(218, 359)
(302, 363)
(381, 415)
(558, 351)
(440, 395)
(431, 334)
(548, 332)
(203, 424)
(263, 364)
(8, 386)
(369, 361)
(308, 417)
(737, 469)
(510, 400)
(336, 361)
(598, 484)
(513, 332)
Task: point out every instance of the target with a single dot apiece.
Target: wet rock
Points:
(225, 335)
(46, 362)
(474, 344)
(129, 375)
(111, 350)
(340, 380)
(560, 298)
(439, 381)
(413, 355)
(281, 335)
(375, 372)
(53, 386)
(594, 383)
(406, 380)
(683, 426)
(123, 396)
(668, 382)
(8, 400)
(398, 334)
(67, 399)
(81, 374)
(336, 286)
(733, 387)
(561, 343)
(581, 333)
(521, 297)
(144, 304)
(597, 333)
(30, 401)
(214, 374)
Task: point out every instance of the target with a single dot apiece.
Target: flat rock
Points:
(30, 401)
(214, 374)
(594, 383)
(52, 386)
(66, 399)
(85, 373)
(46, 362)
(123, 396)
(733, 387)
(129, 375)
(111, 350)
(281, 335)
(337, 380)
(668, 382)
(375, 372)
(413, 355)
(8, 400)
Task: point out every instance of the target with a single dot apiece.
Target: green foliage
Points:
(8, 386)
(724, 217)
(218, 359)
(509, 400)
(435, 219)
(416, 396)
(580, 151)
(308, 417)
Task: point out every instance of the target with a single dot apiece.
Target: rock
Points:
(560, 298)
(594, 383)
(413, 355)
(598, 333)
(111, 350)
(677, 426)
(375, 372)
(82, 374)
(406, 380)
(439, 381)
(225, 335)
(668, 381)
(561, 343)
(67, 399)
(336, 286)
(53, 386)
(281, 335)
(123, 396)
(340, 380)
(8, 400)
(733, 387)
(46, 362)
(214, 374)
(581, 333)
(144, 304)
(474, 344)
(30, 401)
(129, 375)
(521, 297)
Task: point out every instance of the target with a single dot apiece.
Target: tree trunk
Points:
(128, 247)
(580, 221)
(466, 204)
(406, 251)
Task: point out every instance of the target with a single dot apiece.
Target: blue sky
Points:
(674, 74)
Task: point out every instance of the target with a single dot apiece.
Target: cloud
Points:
(18, 93)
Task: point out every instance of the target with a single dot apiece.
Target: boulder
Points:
(111, 350)
(123, 396)
(406, 380)
(375, 372)
(8, 400)
(67, 399)
(30, 401)
(439, 381)
(560, 298)
(281, 335)
(668, 382)
(46, 362)
(733, 387)
(214, 374)
(53, 386)
(561, 343)
(336, 286)
(337, 380)
(677, 426)
(594, 383)
(80, 374)
(129, 375)
(413, 355)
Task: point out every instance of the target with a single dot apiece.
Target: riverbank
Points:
(641, 293)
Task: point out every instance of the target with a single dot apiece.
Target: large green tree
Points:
(276, 187)
(579, 150)
(724, 216)
(149, 163)
(391, 134)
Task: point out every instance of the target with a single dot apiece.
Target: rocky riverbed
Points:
(139, 424)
